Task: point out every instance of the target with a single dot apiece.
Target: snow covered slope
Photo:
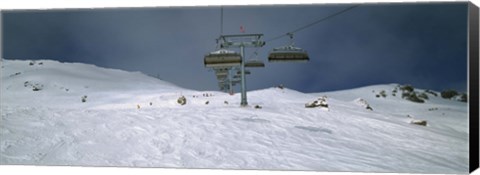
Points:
(130, 119)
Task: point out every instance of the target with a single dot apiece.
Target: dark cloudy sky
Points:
(420, 44)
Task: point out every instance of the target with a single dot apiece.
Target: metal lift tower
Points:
(241, 41)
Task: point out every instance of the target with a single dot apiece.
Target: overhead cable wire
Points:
(313, 23)
(221, 20)
(218, 45)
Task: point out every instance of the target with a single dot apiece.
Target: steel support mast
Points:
(241, 41)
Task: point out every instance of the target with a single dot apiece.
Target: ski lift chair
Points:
(288, 53)
(222, 58)
(254, 62)
(247, 72)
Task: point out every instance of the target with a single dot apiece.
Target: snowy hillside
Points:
(130, 119)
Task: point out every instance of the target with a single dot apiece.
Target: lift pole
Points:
(244, 80)
(242, 41)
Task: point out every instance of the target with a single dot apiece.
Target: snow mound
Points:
(47, 83)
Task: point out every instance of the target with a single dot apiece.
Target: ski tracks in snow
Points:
(22, 144)
(225, 136)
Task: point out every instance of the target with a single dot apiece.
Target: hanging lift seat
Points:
(247, 72)
(222, 58)
(254, 63)
(221, 77)
(288, 54)
(221, 73)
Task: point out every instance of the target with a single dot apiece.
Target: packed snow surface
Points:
(131, 119)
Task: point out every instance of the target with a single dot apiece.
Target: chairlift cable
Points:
(313, 23)
(218, 45)
(254, 53)
(221, 20)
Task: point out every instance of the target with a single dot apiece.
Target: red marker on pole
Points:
(242, 29)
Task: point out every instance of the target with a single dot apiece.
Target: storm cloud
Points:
(422, 44)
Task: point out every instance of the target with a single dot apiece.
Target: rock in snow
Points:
(419, 122)
(320, 102)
